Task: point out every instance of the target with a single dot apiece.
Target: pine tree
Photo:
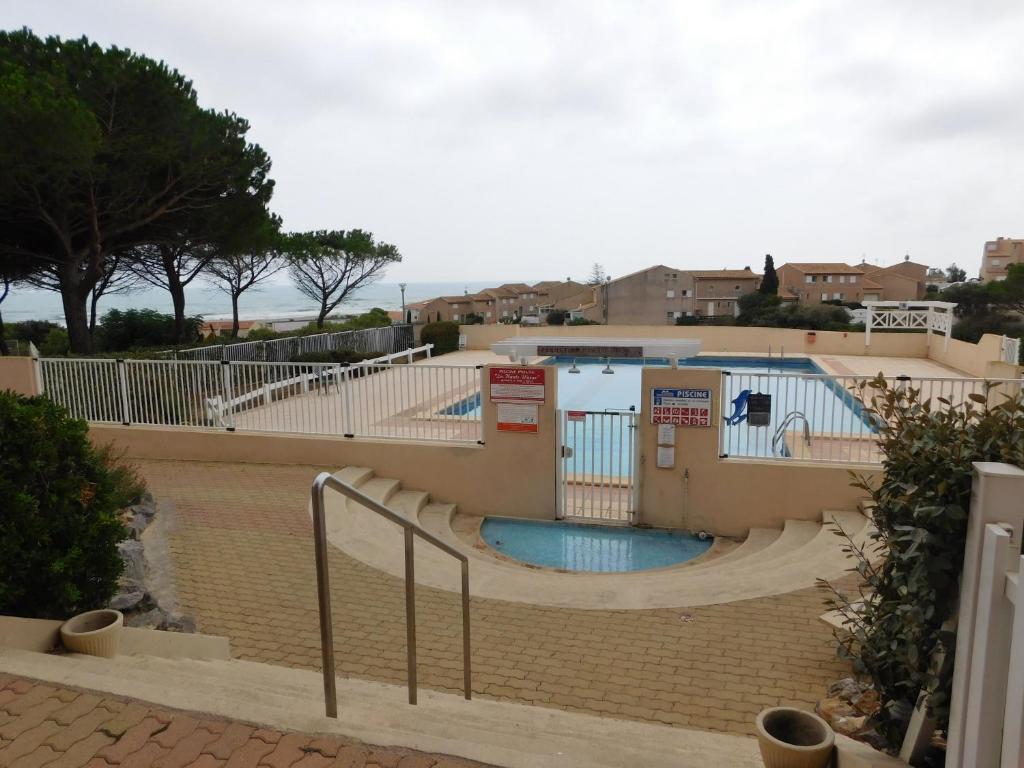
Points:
(770, 280)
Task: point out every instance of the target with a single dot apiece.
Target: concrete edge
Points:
(43, 635)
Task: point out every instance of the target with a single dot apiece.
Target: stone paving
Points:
(45, 725)
(242, 546)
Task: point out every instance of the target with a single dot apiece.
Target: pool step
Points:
(767, 562)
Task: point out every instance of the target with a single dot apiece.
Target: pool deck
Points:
(241, 546)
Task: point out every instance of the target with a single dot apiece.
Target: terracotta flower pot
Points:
(96, 633)
(793, 738)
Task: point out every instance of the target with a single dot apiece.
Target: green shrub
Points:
(444, 335)
(556, 317)
(920, 511)
(60, 524)
(582, 321)
(131, 328)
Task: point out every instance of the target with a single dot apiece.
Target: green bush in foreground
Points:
(444, 335)
(59, 503)
(921, 504)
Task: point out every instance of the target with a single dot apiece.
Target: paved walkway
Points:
(243, 551)
(43, 725)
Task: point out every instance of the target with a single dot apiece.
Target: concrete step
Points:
(757, 540)
(493, 732)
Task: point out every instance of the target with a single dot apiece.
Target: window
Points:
(842, 278)
(671, 317)
(455, 317)
(838, 296)
(824, 297)
(995, 262)
(686, 293)
(809, 279)
(853, 279)
(488, 315)
(670, 294)
(828, 278)
(504, 313)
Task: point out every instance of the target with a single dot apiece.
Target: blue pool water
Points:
(590, 548)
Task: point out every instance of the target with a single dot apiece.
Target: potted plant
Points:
(793, 738)
(96, 633)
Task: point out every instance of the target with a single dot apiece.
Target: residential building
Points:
(999, 255)
(904, 281)
(816, 282)
(716, 292)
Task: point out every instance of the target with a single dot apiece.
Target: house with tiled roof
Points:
(816, 282)
(660, 295)
(904, 281)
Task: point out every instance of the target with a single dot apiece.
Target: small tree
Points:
(910, 574)
(597, 275)
(557, 317)
(770, 281)
(1009, 293)
(955, 274)
(443, 335)
(330, 267)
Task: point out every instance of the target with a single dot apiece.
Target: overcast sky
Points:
(527, 140)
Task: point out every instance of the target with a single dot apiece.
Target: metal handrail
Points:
(789, 419)
(323, 585)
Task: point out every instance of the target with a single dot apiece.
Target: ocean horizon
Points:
(271, 301)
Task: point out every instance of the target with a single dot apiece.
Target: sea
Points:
(270, 301)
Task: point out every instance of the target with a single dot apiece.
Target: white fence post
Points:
(995, 498)
(1013, 720)
(228, 410)
(122, 385)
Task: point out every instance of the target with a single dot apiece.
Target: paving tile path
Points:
(242, 550)
(46, 725)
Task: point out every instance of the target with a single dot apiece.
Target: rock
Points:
(178, 623)
(848, 726)
(151, 619)
(133, 555)
(846, 689)
(127, 601)
(833, 708)
(866, 703)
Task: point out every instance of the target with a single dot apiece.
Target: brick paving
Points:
(242, 549)
(45, 725)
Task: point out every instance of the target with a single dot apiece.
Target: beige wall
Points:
(725, 338)
(511, 474)
(973, 359)
(897, 287)
(19, 374)
(727, 497)
(642, 299)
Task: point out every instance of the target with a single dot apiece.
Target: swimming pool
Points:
(574, 547)
(795, 384)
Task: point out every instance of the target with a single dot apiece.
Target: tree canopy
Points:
(328, 267)
(770, 281)
(103, 150)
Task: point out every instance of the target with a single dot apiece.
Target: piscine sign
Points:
(518, 417)
(681, 407)
(517, 384)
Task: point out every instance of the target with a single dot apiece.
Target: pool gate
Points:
(598, 454)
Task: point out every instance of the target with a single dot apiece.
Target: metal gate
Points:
(597, 463)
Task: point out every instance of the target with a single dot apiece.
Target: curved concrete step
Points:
(757, 540)
(368, 537)
(795, 534)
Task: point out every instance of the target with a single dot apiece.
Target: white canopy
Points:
(544, 346)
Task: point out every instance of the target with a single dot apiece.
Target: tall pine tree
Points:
(770, 281)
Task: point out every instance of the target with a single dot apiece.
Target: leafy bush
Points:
(444, 335)
(920, 511)
(473, 318)
(582, 321)
(121, 330)
(35, 331)
(56, 343)
(60, 525)
(556, 317)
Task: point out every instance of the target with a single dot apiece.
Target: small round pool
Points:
(593, 548)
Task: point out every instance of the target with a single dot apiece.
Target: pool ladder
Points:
(780, 433)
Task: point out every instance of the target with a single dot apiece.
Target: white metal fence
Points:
(597, 465)
(821, 417)
(1009, 350)
(384, 340)
(373, 399)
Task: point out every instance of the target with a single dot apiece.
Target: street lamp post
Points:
(405, 318)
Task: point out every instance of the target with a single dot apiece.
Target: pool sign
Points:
(517, 384)
(516, 417)
(681, 407)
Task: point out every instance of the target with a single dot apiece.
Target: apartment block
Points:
(659, 295)
(999, 255)
(816, 282)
